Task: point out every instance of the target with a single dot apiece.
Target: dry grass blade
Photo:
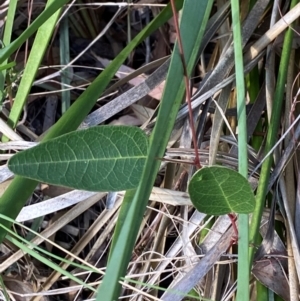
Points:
(184, 285)
(128, 98)
(61, 222)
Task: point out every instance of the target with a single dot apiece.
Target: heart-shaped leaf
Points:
(104, 158)
(218, 190)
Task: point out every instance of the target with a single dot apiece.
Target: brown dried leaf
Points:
(19, 288)
(270, 272)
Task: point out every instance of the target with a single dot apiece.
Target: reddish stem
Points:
(235, 230)
(188, 100)
(187, 85)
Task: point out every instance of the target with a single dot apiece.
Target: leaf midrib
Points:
(81, 160)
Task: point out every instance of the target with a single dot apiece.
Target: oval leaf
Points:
(218, 190)
(105, 158)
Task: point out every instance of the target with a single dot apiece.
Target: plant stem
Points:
(187, 86)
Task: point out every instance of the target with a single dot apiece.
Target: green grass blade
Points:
(197, 12)
(43, 251)
(271, 139)
(7, 66)
(21, 189)
(243, 219)
(47, 262)
(37, 52)
(122, 217)
(7, 36)
(6, 52)
(3, 287)
(9, 22)
(64, 53)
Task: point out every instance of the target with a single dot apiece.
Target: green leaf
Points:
(218, 190)
(105, 158)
